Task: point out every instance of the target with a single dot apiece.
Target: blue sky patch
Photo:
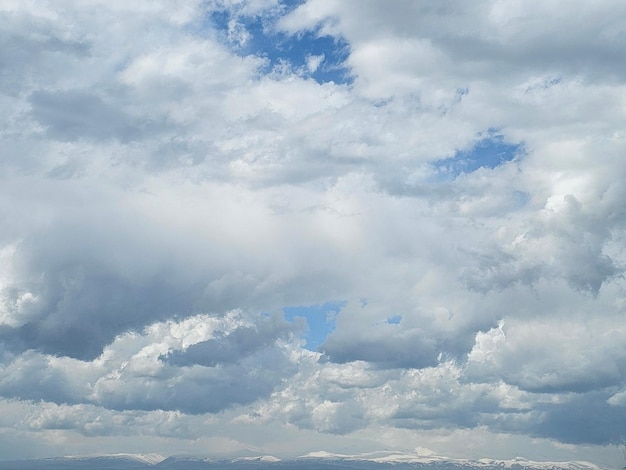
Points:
(490, 151)
(308, 54)
(320, 320)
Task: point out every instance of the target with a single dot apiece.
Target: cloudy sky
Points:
(272, 226)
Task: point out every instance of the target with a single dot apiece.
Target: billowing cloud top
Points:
(276, 226)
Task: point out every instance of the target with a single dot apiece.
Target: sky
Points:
(234, 227)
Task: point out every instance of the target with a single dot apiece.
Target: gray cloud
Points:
(195, 381)
(30, 377)
(84, 301)
(161, 187)
(541, 357)
(582, 419)
(576, 243)
(33, 45)
(234, 346)
(193, 393)
(75, 114)
(408, 349)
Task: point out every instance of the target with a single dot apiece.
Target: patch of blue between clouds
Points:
(320, 320)
(394, 320)
(310, 55)
(490, 151)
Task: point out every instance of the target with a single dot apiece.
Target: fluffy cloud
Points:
(171, 366)
(175, 174)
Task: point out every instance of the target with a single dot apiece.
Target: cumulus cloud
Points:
(564, 357)
(170, 366)
(176, 174)
(232, 347)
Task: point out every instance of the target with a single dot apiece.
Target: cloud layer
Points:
(176, 175)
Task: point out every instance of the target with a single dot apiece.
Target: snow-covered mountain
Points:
(150, 459)
(312, 461)
(429, 459)
(84, 462)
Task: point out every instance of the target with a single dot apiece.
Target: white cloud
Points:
(552, 355)
(313, 62)
(165, 192)
(619, 399)
(487, 344)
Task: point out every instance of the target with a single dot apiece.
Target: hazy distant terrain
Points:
(140, 462)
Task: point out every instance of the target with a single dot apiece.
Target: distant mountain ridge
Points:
(313, 461)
